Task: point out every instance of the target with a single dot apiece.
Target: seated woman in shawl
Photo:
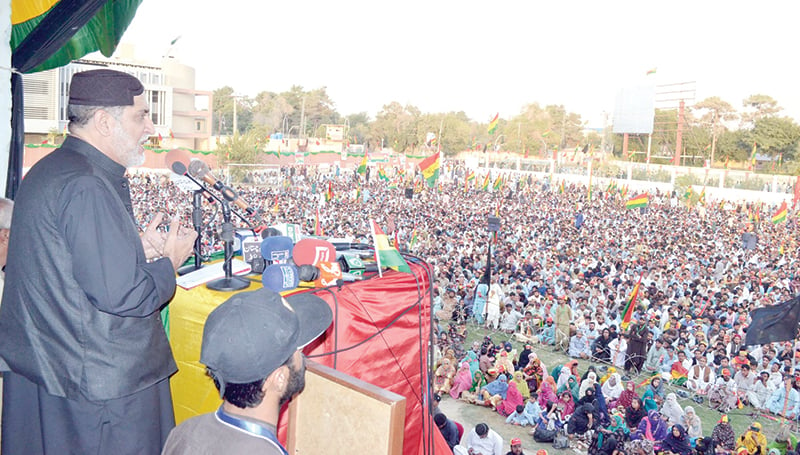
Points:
(671, 410)
(722, 436)
(582, 420)
(589, 369)
(626, 397)
(603, 415)
(462, 381)
(533, 372)
(471, 357)
(442, 379)
(566, 404)
(503, 363)
(652, 428)
(449, 354)
(694, 426)
(588, 397)
(524, 357)
(654, 395)
(495, 391)
(508, 405)
(572, 387)
(586, 384)
(635, 413)
(677, 442)
(522, 386)
(563, 372)
(547, 392)
(753, 440)
(612, 388)
(617, 427)
(472, 394)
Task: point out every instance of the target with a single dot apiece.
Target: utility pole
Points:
(302, 119)
(713, 136)
(679, 139)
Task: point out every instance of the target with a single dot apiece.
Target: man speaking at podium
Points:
(84, 352)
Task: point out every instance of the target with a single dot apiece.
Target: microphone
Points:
(177, 160)
(201, 171)
(276, 249)
(313, 251)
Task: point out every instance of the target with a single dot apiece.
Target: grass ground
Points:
(471, 415)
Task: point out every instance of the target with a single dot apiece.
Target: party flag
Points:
(631, 305)
(362, 168)
(493, 124)
(385, 254)
(317, 226)
(780, 215)
(430, 169)
(638, 201)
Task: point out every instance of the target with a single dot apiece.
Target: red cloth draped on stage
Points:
(393, 315)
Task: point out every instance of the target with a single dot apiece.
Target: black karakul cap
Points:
(104, 88)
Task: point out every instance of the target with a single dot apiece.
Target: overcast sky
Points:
(480, 57)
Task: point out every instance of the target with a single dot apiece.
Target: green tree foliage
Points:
(222, 117)
(240, 148)
(776, 135)
(537, 129)
(758, 107)
(398, 126)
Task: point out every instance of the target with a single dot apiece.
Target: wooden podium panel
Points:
(337, 413)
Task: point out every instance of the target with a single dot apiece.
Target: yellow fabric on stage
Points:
(193, 392)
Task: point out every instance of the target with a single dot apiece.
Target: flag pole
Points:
(375, 242)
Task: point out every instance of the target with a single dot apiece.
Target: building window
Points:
(156, 104)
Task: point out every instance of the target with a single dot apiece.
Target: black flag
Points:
(774, 323)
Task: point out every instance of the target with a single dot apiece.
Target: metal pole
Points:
(234, 115)
(679, 139)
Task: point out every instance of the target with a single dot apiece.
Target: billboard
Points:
(334, 133)
(634, 110)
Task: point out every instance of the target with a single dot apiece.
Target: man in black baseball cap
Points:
(252, 350)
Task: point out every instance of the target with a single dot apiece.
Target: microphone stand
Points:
(230, 282)
(197, 220)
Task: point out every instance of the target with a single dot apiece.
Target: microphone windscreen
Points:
(276, 250)
(280, 277)
(270, 232)
(313, 251)
(329, 273)
(308, 272)
(198, 169)
(177, 160)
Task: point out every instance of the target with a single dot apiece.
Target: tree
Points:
(314, 108)
(358, 126)
(397, 125)
(545, 128)
(714, 112)
(758, 107)
(222, 117)
(776, 136)
(240, 148)
(271, 112)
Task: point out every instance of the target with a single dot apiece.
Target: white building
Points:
(181, 114)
